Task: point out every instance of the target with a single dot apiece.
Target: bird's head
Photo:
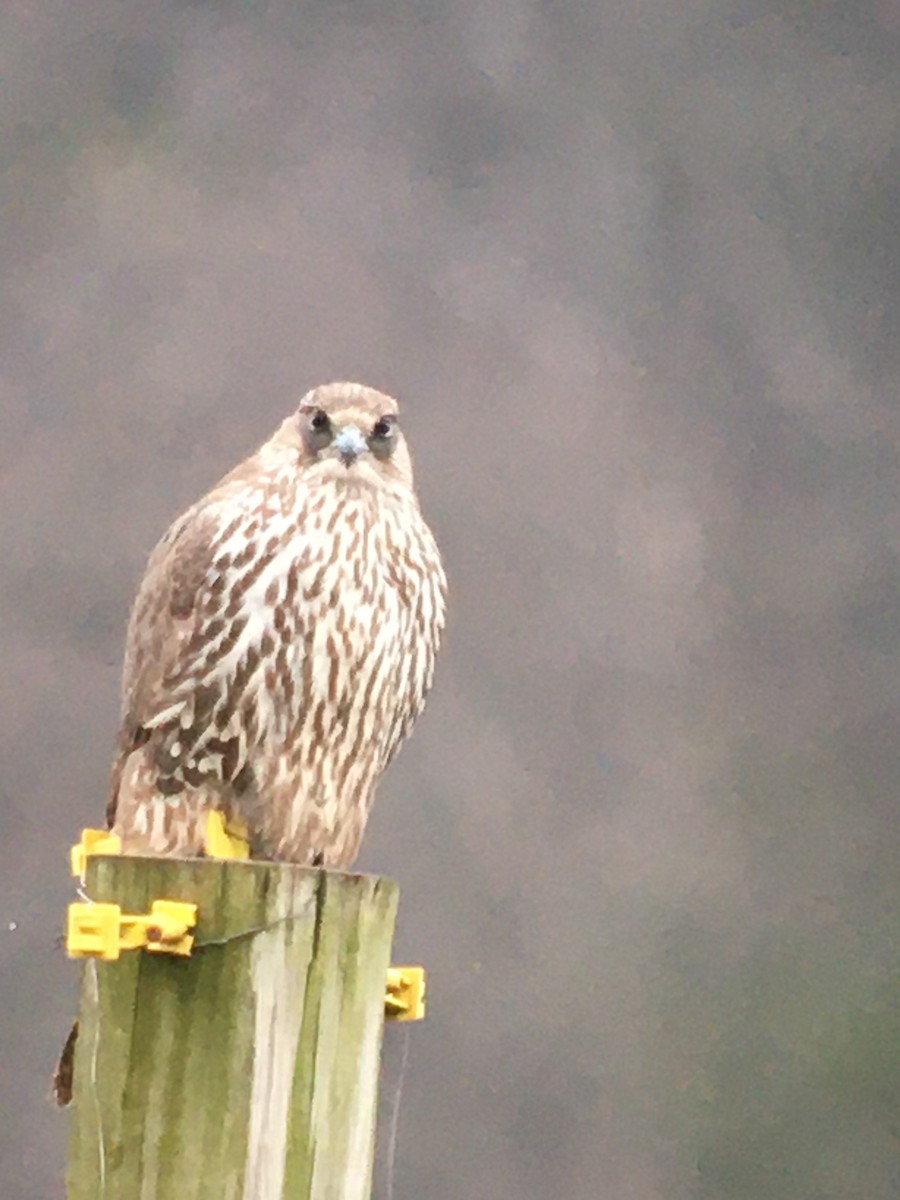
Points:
(347, 427)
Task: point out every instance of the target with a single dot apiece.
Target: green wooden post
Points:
(247, 1071)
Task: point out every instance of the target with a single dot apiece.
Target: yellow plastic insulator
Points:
(104, 931)
(93, 841)
(93, 929)
(405, 999)
(226, 841)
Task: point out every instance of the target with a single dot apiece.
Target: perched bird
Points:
(282, 642)
(281, 646)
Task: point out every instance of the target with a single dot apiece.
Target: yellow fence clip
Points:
(93, 841)
(405, 998)
(226, 841)
(104, 931)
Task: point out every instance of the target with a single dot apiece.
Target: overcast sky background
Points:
(633, 270)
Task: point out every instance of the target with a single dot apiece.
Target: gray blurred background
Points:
(634, 271)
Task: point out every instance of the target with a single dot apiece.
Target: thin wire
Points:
(395, 1116)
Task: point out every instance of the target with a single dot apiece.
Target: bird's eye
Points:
(383, 428)
(317, 429)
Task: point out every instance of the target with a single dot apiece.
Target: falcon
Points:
(280, 648)
(282, 642)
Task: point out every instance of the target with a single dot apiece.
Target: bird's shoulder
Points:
(230, 516)
(183, 583)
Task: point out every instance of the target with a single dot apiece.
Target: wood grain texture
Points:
(249, 1070)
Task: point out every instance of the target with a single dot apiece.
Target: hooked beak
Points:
(350, 444)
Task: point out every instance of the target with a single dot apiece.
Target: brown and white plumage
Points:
(282, 642)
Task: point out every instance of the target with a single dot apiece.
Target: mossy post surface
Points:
(249, 1070)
